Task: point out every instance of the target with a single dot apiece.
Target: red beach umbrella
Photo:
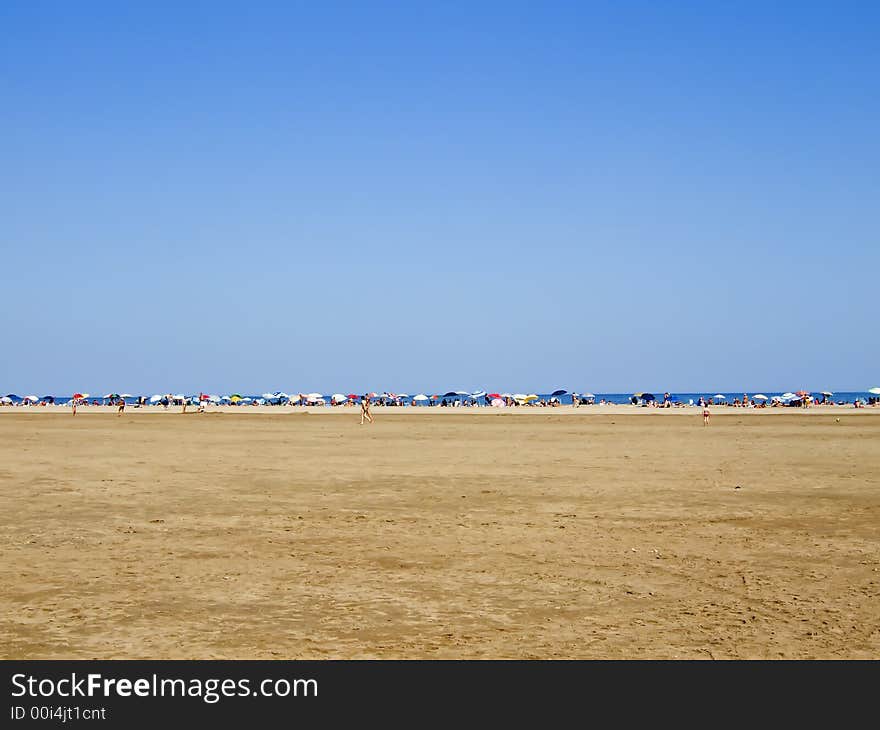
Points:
(493, 395)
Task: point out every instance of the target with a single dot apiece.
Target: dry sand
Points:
(544, 535)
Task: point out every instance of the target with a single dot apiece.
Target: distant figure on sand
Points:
(121, 408)
(706, 415)
(74, 406)
(365, 409)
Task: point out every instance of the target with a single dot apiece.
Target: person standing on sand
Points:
(365, 409)
(706, 415)
(74, 406)
(121, 409)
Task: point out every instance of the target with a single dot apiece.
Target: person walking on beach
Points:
(365, 409)
(74, 406)
(121, 409)
(706, 415)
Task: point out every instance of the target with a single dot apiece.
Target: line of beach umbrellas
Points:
(282, 398)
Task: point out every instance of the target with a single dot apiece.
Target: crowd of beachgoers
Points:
(449, 399)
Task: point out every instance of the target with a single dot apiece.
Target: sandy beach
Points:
(596, 532)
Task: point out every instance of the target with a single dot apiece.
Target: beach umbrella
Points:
(268, 396)
(48, 398)
(587, 395)
(281, 394)
(214, 398)
(31, 398)
(559, 392)
(788, 396)
(339, 397)
(353, 396)
(126, 395)
(315, 396)
(759, 396)
(5, 399)
(450, 394)
(493, 396)
(719, 395)
(874, 391)
(246, 399)
(236, 395)
(825, 392)
(497, 402)
(155, 398)
(421, 397)
(531, 397)
(235, 398)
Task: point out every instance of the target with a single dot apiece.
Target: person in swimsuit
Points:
(365, 409)
(121, 408)
(706, 415)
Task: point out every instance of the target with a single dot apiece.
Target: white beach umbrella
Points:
(281, 394)
(402, 395)
(267, 396)
(587, 395)
(5, 399)
(247, 399)
(760, 396)
(788, 396)
(109, 395)
(214, 398)
(315, 396)
(31, 398)
(340, 398)
(155, 398)
(421, 397)
(718, 395)
(825, 392)
(874, 391)
(126, 395)
(498, 403)
(478, 394)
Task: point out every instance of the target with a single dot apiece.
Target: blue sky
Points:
(594, 196)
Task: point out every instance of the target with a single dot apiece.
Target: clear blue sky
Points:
(606, 196)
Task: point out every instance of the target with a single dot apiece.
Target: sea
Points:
(566, 398)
